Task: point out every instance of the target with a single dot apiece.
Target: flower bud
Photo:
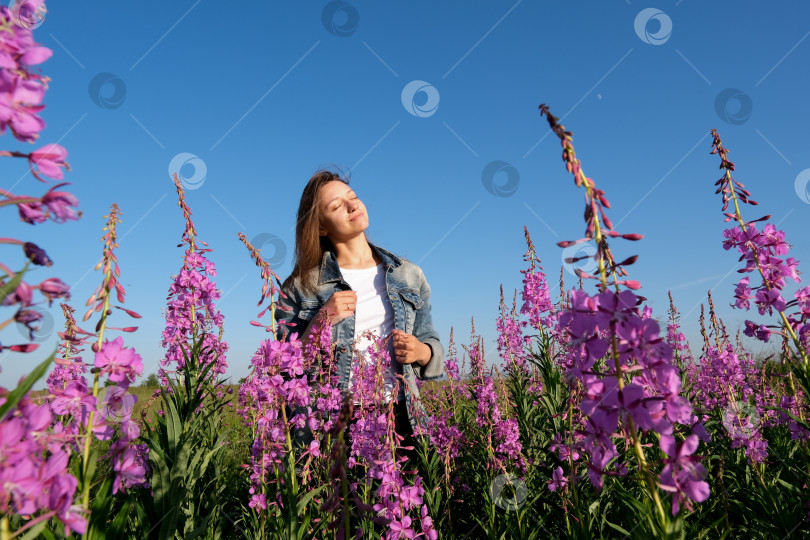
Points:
(36, 254)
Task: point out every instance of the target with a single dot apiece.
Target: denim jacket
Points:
(409, 294)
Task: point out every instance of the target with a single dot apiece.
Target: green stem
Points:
(572, 481)
(88, 434)
(639, 451)
(37, 520)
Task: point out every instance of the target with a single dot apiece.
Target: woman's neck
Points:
(356, 253)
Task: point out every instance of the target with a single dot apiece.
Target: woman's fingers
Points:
(342, 304)
(404, 347)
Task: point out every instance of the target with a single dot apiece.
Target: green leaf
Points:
(34, 532)
(620, 529)
(12, 285)
(18, 393)
(305, 500)
(116, 530)
(174, 427)
(48, 535)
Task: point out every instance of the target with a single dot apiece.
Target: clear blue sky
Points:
(264, 94)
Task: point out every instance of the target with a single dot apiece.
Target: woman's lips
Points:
(357, 216)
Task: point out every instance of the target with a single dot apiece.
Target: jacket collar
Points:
(330, 270)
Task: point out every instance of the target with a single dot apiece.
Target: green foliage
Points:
(7, 288)
(186, 454)
(14, 397)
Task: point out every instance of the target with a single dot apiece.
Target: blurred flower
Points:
(61, 204)
(53, 288)
(36, 254)
(28, 317)
(48, 161)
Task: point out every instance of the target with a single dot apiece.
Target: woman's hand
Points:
(408, 349)
(339, 306)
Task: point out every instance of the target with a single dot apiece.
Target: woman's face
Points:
(343, 215)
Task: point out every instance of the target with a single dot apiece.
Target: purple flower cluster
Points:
(651, 401)
(502, 434)
(374, 445)
(535, 294)
(34, 475)
(511, 342)
(83, 412)
(764, 251)
(69, 366)
(761, 250)
(676, 339)
(445, 435)
(35, 447)
(276, 384)
(722, 386)
(191, 311)
(21, 88)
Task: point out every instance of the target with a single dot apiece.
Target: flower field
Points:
(599, 421)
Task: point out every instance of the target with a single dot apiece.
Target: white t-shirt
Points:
(374, 313)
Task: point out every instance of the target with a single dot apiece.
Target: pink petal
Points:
(36, 55)
(668, 445)
(50, 169)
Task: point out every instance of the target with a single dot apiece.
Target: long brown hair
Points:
(309, 244)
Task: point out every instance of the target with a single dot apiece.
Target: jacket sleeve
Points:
(423, 331)
(287, 309)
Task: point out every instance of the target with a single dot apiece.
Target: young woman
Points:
(363, 287)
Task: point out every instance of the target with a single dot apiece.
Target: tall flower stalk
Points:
(637, 386)
(187, 439)
(121, 366)
(191, 311)
(763, 251)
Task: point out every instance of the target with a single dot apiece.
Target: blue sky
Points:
(265, 93)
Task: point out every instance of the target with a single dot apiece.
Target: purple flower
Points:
(23, 295)
(742, 293)
(760, 332)
(802, 296)
(122, 365)
(53, 288)
(558, 480)
(130, 465)
(683, 475)
(48, 161)
(28, 317)
(401, 529)
(767, 299)
(61, 204)
(75, 400)
(36, 254)
(32, 212)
